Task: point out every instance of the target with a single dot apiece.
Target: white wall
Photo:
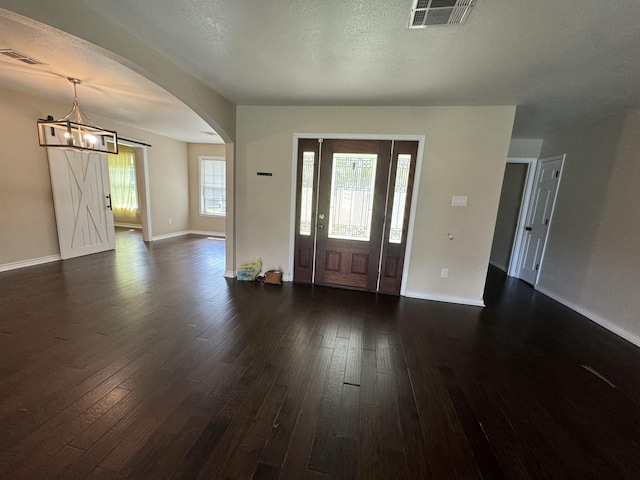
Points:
(592, 262)
(525, 147)
(27, 219)
(465, 154)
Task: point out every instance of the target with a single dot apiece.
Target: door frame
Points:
(527, 200)
(532, 163)
(355, 136)
(145, 194)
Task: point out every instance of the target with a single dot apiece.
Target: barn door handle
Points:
(528, 229)
(109, 206)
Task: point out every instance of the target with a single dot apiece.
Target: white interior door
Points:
(82, 200)
(540, 210)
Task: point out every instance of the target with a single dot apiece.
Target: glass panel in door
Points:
(352, 191)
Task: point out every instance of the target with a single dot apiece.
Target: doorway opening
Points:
(139, 175)
(125, 192)
(529, 188)
(511, 201)
(353, 202)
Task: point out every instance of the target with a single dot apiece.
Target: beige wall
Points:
(230, 220)
(27, 219)
(465, 154)
(592, 261)
(202, 223)
(508, 211)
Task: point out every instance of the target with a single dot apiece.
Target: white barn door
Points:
(82, 200)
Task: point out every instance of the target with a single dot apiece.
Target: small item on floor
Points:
(249, 271)
(273, 277)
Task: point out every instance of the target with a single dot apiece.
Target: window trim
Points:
(201, 160)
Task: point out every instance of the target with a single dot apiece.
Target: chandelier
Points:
(75, 131)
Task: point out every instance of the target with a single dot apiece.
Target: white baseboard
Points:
(446, 298)
(287, 278)
(603, 322)
(29, 263)
(186, 232)
(128, 225)
(165, 236)
(217, 235)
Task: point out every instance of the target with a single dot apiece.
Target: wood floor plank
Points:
(243, 461)
(371, 464)
(336, 437)
(369, 378)
(279, 440)
(302, 435)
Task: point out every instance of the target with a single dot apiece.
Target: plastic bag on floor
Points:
(249, 271)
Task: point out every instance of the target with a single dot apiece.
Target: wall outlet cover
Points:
(459, 201)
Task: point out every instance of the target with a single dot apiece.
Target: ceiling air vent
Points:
(21, 57)
(426, 13)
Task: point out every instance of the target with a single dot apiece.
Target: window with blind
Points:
(213, 198)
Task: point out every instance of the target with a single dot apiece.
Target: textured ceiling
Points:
(557, 60)
(109, 89)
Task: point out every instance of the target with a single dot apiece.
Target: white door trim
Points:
(414, 197)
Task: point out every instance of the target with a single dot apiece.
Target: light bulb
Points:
(90, 138)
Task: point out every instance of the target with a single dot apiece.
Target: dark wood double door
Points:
(352, 212)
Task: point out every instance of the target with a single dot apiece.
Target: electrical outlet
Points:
(444, 273)
(170, 221)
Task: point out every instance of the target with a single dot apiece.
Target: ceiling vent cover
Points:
(426, 13)
(20, 57)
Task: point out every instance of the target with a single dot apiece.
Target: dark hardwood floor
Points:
(147, 363)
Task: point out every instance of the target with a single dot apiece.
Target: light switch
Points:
(459, 201)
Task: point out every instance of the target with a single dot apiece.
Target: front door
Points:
(351, 201)
(352, 211)
(82, 200)
(539, 217)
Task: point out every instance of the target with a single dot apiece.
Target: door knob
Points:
(528, 229)
(320, 227)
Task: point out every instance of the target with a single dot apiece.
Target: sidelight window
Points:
(399, 198)
(306, 193)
